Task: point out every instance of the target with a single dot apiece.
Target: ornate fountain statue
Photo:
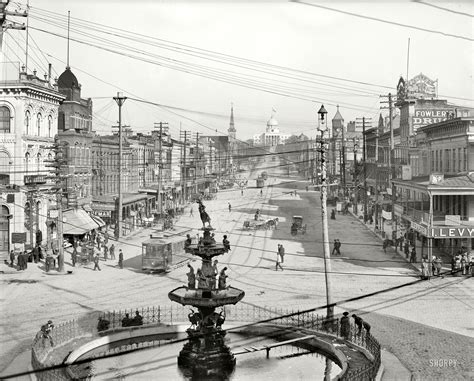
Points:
(205, 354)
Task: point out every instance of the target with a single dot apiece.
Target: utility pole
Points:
(185, 133)
(365, 169)
(322, 127)
(57, 165)
(120, 99)
(196, 160)
(160, 165)
(391, 158)
(343, 162)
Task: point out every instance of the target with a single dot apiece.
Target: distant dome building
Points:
(272, 135)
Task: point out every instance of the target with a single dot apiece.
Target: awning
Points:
(99, 221)
(77, 222)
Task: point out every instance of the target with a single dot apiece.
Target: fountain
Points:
(205, 354)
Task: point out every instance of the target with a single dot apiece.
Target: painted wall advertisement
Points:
(426, 116)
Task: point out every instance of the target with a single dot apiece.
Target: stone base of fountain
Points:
(206, 356)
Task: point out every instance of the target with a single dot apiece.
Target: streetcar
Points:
(260, 182)
(160, 254)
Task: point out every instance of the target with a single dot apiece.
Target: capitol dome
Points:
(272, 122)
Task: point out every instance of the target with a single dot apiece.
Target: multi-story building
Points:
(272, 135)
(437, 206)
(28, 124)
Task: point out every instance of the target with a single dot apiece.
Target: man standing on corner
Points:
(120, 259)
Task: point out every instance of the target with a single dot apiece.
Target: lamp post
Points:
(322, 127)
(120, 99)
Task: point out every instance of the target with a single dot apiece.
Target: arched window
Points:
(27, 122)
(50, 125)
(38, 123)
(4, 119)
(38, 157)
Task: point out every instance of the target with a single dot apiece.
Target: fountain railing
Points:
(66, 332)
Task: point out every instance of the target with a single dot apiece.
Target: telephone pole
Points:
(365, 169)
(196, 160)
(185, 134)
(120, 99)
(160, 164)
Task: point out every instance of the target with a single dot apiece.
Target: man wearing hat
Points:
(46, 332)
(345, 326)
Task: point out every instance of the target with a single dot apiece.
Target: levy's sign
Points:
(452, 232)
(425, 116)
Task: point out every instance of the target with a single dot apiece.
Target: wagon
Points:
(255, 225)
(298, 225)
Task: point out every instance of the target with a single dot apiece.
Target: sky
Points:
(308, 45)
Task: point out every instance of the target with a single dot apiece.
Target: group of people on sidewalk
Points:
(360, 325)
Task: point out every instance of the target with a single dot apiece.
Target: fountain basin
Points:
(206, 298)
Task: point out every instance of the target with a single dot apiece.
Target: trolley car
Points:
(158, 253)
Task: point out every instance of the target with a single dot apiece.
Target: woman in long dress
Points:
(425, 273)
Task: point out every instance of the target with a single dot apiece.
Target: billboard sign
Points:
(426, 116)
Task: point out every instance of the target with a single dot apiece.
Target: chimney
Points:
(49, 72)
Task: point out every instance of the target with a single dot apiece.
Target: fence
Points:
(177, 314)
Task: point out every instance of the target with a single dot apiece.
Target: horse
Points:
(272, 224)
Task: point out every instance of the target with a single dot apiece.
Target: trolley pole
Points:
(322, 127)
(120, 99)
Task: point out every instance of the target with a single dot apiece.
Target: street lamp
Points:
(322, 127)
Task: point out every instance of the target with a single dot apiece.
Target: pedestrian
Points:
(106, 251)
(12, 258)
(241, 192)
(295, 192)
(96, 262)
(191, 212)
(438, 265)
(406, 249)
(126, 321)
(103, 324)
(345, 326)
(46, 330)
(281, 251)
(261, 192)
(464, 263)
(74, 258)
(120, 260)
(413, 255)
(188, 241)
(358, 322)
(333, 214)
(191, 277)
(230, 207)
(222, 279)
(226, 243)
(112, 251)
(385, 245)
(425, 274)
(36, 253)
(366, 326)
(336, 248)
(137, 319)
(278, 260)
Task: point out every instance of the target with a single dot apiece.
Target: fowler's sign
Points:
(452, 232)
(425, 116)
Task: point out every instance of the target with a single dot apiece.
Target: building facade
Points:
(28, 123)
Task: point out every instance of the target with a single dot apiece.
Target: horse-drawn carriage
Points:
(298, 225)
(261, 224)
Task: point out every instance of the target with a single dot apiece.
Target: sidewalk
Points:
(387, 233)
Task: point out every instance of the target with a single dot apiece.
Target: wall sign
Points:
(452, 232)
(420, 228)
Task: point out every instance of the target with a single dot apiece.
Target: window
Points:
(50, 125)
(27, 122)
(447, 166)
(459, 160)
(38, 158)
(465, 158)
(455, 161)
(4, 119)
(38, 123)
(27, 162)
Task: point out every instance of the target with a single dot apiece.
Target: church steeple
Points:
(231, 130)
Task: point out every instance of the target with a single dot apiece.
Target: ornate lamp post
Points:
(322, 127)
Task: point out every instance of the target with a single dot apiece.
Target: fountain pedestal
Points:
(205, 354)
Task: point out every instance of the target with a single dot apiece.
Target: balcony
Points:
(439, 219)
